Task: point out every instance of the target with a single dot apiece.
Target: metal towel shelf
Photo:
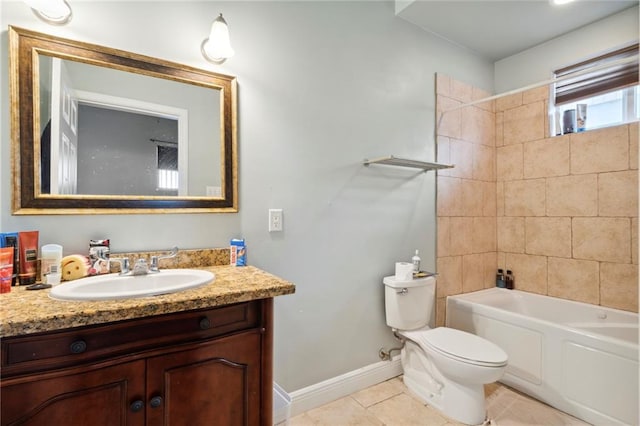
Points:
(403, 162)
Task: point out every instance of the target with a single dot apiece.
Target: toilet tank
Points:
(409, 304)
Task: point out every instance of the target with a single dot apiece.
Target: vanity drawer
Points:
(37, 352)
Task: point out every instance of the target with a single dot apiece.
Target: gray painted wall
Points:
(537, 64)
(322, 85)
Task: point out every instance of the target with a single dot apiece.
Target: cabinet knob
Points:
(155, 402)
(136, 406)
(78, 347)
(205, 324)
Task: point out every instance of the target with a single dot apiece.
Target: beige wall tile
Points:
(524, 123)
(602, 238)
(449, 276)
(444, 236)
(501, 260)
(472, 273)
(449, 122)
(499, 128)
(508, 102)
(534, 95)
(547, 118)
(618, 194)
(490, 266)
(449, 193)
(478, 94)
(441, 311)
(461, 91)
(461, 154)
(443, 154)
(489, 199)
(530, 272)
(509, 162)
(484, 163)
(634, 240)
(478, 126)
(443, 84)
(604, 150)
(573, 195)
(499, 198)
(484, 234)
(573, 279)
(461, 236)
(511, 234)
(471, 197)
(546, 157)
(524, 198)
(548, 236)
(633, 146)
(619, 286)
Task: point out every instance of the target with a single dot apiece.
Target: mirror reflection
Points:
(111, 131)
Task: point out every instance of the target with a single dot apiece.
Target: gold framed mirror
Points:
(96, 130)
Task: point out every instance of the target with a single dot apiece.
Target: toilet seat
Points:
(459, 345)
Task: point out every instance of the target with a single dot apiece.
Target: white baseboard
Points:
(340, 386)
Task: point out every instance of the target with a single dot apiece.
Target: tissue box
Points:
(238, 252)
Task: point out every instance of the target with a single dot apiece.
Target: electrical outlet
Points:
(275, 220)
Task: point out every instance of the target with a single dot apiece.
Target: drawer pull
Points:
(155, 402)
(136, 406)
(205, 324)
(78, 347)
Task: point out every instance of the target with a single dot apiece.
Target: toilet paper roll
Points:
(404, 271)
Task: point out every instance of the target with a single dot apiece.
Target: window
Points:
(603, 90)
(167, 167)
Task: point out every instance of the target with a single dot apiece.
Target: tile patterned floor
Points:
(390, 403)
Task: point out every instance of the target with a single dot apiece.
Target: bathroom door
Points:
(64, 131)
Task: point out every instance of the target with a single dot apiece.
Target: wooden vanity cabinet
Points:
(205, 367)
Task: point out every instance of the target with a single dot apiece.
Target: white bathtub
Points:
(579, 358)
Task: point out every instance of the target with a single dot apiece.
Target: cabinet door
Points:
(80, 396)
(216, 383)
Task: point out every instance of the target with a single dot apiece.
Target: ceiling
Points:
(498, 29)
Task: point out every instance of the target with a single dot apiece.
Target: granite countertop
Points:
(25, 312)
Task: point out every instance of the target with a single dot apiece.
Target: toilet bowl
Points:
(445, 367)
(448, 369)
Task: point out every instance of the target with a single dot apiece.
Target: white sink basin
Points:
(115, 286)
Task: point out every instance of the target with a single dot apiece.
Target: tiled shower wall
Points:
(466, 194)
(565, 208)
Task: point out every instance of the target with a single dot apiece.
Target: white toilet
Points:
(445, 367)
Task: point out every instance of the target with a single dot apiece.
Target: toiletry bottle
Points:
(500, 279)
(509, 280)
(50, 255)
(416, 262)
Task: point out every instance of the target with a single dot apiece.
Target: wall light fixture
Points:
(559, 2)
(55, 12)
(217, 47)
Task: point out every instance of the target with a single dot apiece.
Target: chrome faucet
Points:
(124, 264)
(140, 268)
(155, 267)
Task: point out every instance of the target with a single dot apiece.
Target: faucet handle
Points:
(124, 264)
(155, 266)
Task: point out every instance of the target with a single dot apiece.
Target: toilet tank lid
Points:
(416, 282)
